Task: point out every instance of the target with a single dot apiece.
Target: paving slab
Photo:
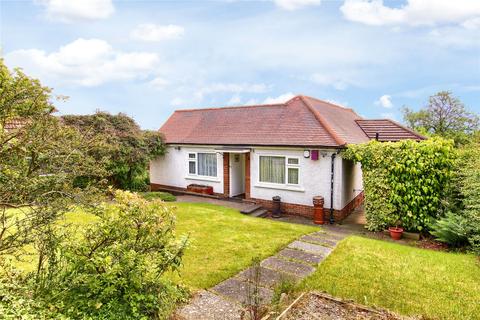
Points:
(236, 290)
(334, 234)
(319, 240)
(300, 255)
(294, 268)
(268, 277)
(329, 235)
(309, 247)
(207, 305)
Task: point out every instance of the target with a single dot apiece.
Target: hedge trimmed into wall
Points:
(404, 181)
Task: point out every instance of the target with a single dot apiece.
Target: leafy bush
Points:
(165, 196)
(464, 201)
(404, 181)
(113, 269)
(451, 229)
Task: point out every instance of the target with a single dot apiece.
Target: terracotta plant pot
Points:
(396, 233)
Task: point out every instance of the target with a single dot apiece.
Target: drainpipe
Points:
(332, 178)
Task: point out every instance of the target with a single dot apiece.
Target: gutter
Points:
(332, 179)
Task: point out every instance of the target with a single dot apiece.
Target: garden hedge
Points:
(404, 181)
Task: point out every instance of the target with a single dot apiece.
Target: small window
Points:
(192, 167)
(192, 155)
(293, 161)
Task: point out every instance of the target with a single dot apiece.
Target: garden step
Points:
(260, 213)
(309, 247)
(250, 209)
(236, 290)
(301, 256)
(268, 277)
(207, 305)
(319, 240)
(294, 268)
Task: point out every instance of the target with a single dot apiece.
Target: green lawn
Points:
(222, 241)
(404, 279)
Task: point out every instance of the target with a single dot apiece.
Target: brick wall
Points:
(308, 211)
(171, 189)
(226, 174)
(247, 176)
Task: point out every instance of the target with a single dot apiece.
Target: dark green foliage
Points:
(127, 147)
(451, 229)
(165, 196)
(404, 181)
(463, 225)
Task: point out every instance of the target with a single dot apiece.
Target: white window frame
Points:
(195, 160)
(287, 166)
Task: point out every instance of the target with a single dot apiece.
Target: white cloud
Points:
(74, 10)
(472, 24)
(339, 83)
(153, 32)
(385, 101)
(413, 13)
(178, 101)
(280, 99)
(159, 83)
(230, 88)
(296, 4)
(234, 100)
(86, 62)
(388, 115)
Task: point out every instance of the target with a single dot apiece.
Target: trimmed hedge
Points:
(404, 181)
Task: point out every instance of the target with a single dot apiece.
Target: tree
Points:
(128, 148)
(39, 161)
(445, 116)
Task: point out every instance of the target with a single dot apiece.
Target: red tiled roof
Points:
(388, 130)
(14, 124)
(301, 121)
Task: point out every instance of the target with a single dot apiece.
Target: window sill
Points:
(203, 178)
(280, 187)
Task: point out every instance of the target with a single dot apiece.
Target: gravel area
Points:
(320, 306)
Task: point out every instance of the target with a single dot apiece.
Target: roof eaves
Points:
(323, 122)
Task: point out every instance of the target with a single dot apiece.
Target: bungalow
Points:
(290, 150)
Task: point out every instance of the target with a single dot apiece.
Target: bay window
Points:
(280, 170)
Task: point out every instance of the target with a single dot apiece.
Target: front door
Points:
(237, 174)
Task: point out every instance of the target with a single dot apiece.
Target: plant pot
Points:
(396, 233)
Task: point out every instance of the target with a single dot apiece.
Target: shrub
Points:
(165, 196)
(451, 229)
(464, 201)
(114, 268)
(404, 181)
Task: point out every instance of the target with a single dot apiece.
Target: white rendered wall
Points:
(314, 178)
(352, 183)
(172, 169)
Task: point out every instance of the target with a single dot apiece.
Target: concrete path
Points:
(298, 260)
